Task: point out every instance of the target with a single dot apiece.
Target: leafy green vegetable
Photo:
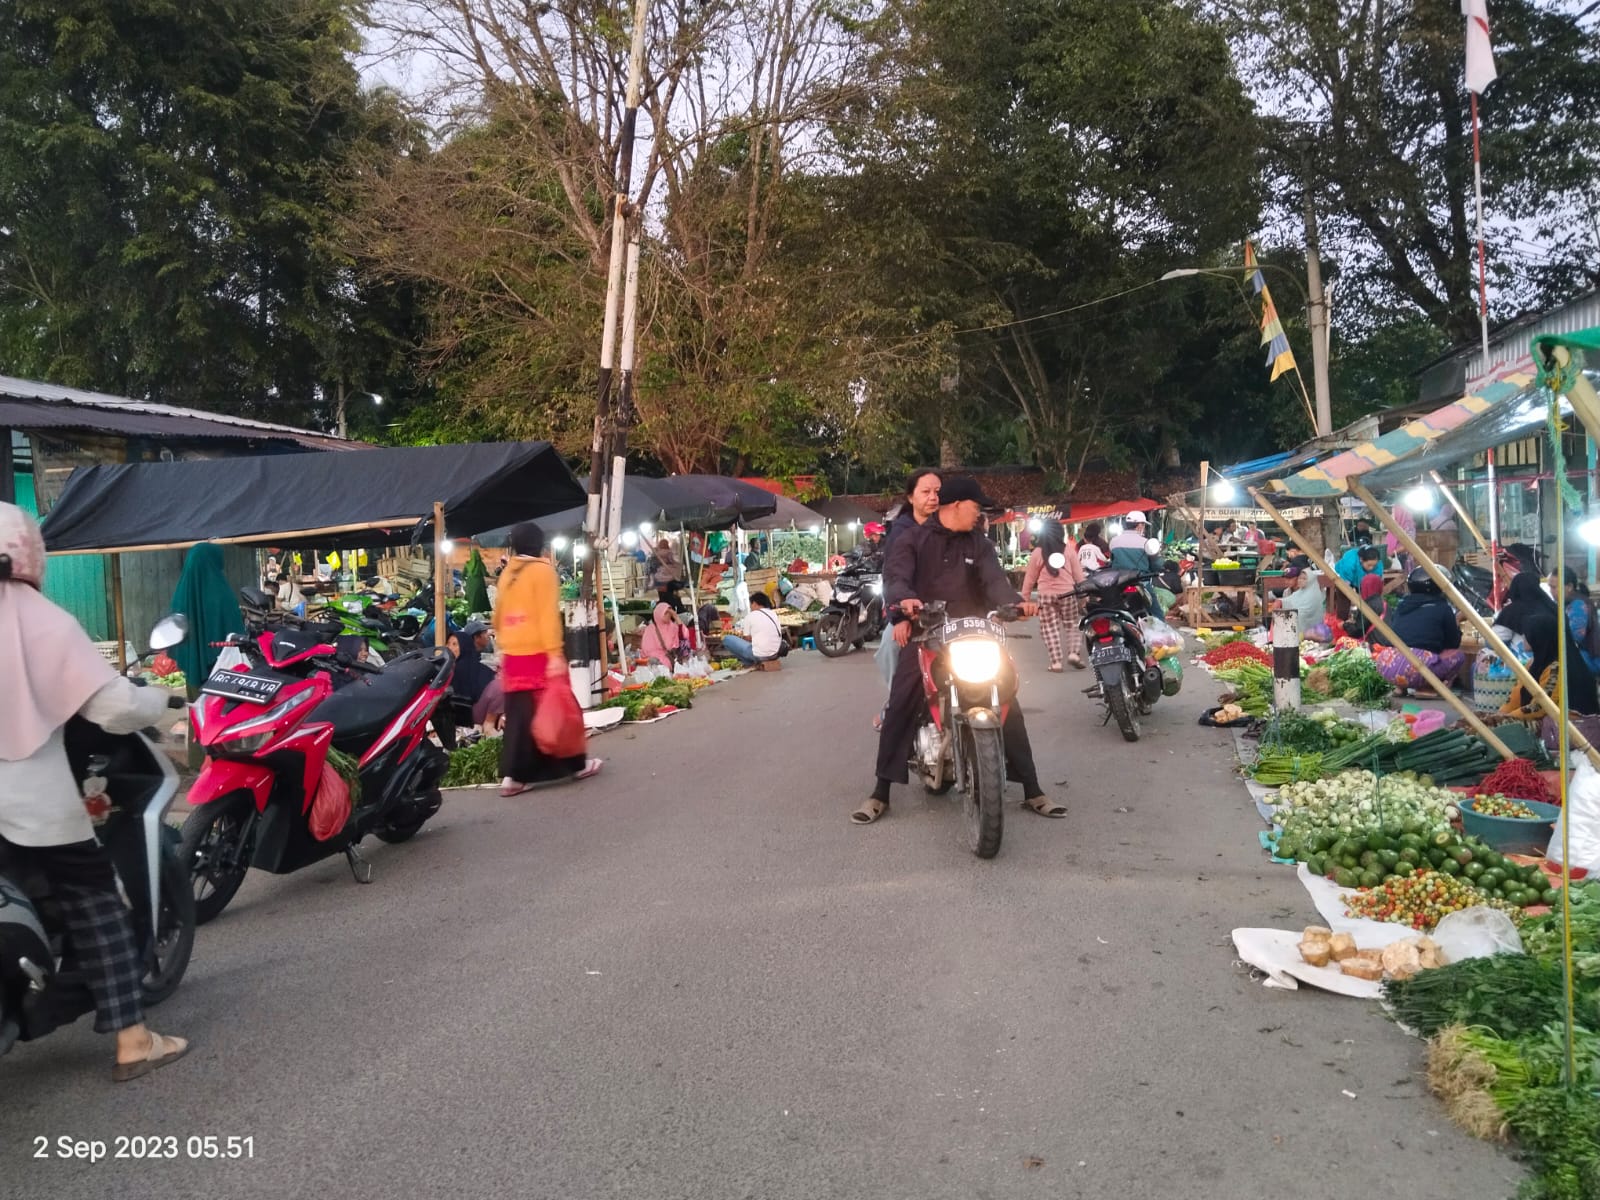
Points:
(477, 763)
(1509, 994)
(1354, 676)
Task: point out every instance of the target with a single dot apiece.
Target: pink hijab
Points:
(664, 635)
(50, 671)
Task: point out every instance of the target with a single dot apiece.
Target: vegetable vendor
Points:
(1428, 623)
(1305, 599)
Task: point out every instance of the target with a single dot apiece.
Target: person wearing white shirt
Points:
(763, 634)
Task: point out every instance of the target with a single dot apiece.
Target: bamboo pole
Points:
(1535, 693)
(1461, 513)
(1449, 697)
(441, 573)
(116, 614)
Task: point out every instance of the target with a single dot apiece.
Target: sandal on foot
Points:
(1045, 806)
(869, 811)
(510, 787)
(1055, 668)
(1076, 661)
(163, 1050)
(591, 768)
(877, 723)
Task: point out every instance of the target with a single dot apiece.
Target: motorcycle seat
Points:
(360, 710)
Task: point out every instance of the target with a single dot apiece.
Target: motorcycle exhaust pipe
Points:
(1151, 690)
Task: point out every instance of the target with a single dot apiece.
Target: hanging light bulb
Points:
(558, 544)
(1035, 524)
(1419, 499)
(1223, 490)
(1589, 531)
(579, 550)
(447, 547)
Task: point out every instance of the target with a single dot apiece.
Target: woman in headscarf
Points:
(1059, 610)
(52, 673)
(1524, 599)
(668, 574)
(1540, 630)
(531, 639)
(205, 597)
(664, 641)
(1372, 592)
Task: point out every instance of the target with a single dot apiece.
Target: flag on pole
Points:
(1480, 51)
(1280, 357)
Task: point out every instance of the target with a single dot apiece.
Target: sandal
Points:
(1055, 668)
(1076, 661)
(1045, 806)
(510, 787)
(591, 768)
(870, 811)
(163, 1050)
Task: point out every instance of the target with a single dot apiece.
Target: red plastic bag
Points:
(558, 721)
(330, 811)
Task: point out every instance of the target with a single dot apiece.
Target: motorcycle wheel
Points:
(403, 831)
(833, 636)
(1119, 699)
(982, 801)
(212, 832)
(175, 925)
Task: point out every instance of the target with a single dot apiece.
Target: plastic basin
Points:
(1511, 833)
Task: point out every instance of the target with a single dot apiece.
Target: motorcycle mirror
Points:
(1152, 547)
(169, 631)
(1058, 560)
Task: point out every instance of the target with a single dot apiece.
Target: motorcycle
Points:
(269, 729)
(128, 786)
(855, 614)
(968, 684)
(1128, 681)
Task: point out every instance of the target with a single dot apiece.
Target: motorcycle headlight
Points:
(975, 660)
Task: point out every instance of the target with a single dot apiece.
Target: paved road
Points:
(693, 978)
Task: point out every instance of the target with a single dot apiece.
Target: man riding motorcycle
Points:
(52, 673)
(946, 559)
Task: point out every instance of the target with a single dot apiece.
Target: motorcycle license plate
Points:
(237, 685)
(1110, 654)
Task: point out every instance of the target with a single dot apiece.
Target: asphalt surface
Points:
(692, 977)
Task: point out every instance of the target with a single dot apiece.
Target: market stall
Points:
(1445, 857)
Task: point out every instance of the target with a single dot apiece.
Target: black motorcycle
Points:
(968, 683)
(1127, 680)
(855, 614)
(128, 786)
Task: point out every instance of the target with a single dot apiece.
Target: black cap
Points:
(953, 491)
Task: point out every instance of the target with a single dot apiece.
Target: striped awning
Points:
(1495, 414)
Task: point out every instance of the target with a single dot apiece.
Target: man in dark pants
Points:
(945, 559)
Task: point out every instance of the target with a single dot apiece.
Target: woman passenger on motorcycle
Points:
(532, 643)
(52, 672)
(918, 504)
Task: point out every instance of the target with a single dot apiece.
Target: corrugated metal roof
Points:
(30, 404)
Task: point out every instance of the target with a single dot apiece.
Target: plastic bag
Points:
(1158, 633)
(331, 809)
(558, 721)
(1476, 933)
(1583, 808)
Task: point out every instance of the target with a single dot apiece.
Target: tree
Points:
(1058, 157)
(746, 347)
(1369, 114)
(168, 178)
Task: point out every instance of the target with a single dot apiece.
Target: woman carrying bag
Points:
(544, 736)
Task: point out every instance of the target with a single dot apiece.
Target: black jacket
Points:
(929, 562)
(1426, 622)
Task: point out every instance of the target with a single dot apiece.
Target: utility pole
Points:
(340, 410)
(1317, 319)
(610, 424)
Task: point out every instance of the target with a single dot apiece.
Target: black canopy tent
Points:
(369, 498)
(673, 502)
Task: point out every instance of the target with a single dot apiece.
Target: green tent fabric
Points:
(207, 599)
(476, 583)
(1550, 375)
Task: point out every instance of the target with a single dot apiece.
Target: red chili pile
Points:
(1232, 652)
(1519, 778)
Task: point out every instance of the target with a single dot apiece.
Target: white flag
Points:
(1480, 53)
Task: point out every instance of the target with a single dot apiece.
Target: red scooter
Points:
(268, 727)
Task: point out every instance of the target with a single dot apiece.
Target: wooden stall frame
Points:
(1485, 630)
(441, 573)
(1438, 685)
